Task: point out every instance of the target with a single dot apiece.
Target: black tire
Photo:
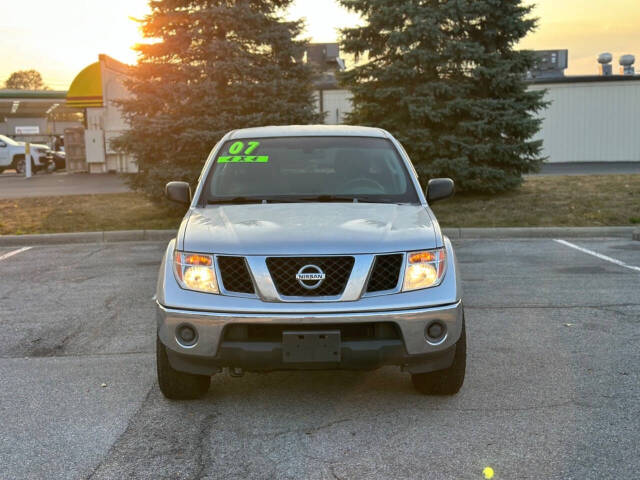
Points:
(177, 385)
(447, 381)
(19, 165)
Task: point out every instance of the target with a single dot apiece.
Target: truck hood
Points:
(309, 229)
(36, 145)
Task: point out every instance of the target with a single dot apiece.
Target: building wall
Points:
(9, 126)
(58, 128)
(591, 122)
(335, 104)
(114, 124)
(104, 123)
(586, 122)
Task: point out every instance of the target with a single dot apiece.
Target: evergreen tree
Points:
(443, 76)
(218, 65)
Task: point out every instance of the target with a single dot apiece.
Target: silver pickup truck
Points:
(309, 247)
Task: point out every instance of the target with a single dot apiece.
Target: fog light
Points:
(186, 335)
(435, 331)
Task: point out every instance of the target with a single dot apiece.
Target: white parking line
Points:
(598, 255)
(14, 252)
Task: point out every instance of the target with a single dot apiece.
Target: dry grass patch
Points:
(576, 201)
(85, 213)
(550, 201)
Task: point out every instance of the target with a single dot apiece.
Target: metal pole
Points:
(27, 159)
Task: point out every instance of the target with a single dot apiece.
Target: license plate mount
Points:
(311, 346)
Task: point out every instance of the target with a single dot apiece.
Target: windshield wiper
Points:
(292, 199)
(295, 199)
(328, 198)
(344, 198)
(242, 200)
(220, 201)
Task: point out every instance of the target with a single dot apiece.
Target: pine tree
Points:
(445, 78)
(218, 65)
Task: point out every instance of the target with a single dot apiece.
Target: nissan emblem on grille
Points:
(310, 276)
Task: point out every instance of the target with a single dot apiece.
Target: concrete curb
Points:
(453, 233)
(88, 237)
(538, 232)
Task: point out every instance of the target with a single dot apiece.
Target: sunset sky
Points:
(59, 38)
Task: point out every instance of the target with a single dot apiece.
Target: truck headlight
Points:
(424, 269)
(195, 271)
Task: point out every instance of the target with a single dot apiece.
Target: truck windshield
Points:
(314, 169)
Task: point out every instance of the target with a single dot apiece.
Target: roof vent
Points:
(605, 59)
(626, 65)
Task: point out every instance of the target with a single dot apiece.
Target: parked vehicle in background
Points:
(59, 159)
(58, 143)
(12, 155)
(309, 248)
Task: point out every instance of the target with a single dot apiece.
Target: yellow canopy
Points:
(86, 88)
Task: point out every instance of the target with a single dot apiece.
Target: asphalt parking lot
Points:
(552, 389)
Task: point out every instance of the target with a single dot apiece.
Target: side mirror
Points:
(179, 192)
(439, 189)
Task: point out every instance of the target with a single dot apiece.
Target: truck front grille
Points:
(336, 269)
(235, 275)
(385, 273)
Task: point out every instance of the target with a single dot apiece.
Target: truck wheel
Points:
(20, 166)
(177, 385)
(447, 381)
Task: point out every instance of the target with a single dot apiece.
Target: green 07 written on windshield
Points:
(239, 147)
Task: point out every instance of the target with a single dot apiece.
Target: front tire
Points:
(176, 385)
(447, 381)
(19, 165)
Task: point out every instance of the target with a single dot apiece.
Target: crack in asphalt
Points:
(51, 349)
(305, 430)
(126, 429)
(618, 312)
(203, 459)
(146, 444)
(333, 472)
(203, 434)
(91, 254)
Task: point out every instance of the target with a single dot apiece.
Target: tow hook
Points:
(236, 372)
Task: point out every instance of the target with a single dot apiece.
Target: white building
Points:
(590, 118)
(95, 89)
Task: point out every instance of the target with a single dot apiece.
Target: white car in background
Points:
(12, 155)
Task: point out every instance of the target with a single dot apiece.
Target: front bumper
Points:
(213, 350)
